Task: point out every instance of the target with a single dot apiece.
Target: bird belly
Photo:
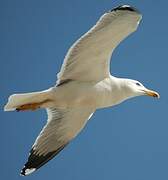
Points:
(75, 94)
(85, 94)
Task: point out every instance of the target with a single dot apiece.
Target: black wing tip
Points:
(125, 8)
(22, 173)
(35, 161)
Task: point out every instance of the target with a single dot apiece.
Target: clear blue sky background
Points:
(126, 142)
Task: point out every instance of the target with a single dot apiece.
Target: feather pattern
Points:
(62, 126)
(94, 48)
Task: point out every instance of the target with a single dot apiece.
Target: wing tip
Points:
(36, 161)
(26, 171)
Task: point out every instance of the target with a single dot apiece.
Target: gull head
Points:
(135, 88)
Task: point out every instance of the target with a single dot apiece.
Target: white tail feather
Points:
(16, 100)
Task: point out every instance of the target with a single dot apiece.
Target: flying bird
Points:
(84, 84)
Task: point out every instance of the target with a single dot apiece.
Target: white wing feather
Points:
(62, 126)
(89, 57)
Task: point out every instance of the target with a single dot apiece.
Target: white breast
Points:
(88, 94)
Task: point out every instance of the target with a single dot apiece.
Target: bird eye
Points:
(138, 84)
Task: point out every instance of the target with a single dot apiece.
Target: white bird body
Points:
(84, 84)
(89, 94)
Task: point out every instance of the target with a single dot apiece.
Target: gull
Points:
(84, 84)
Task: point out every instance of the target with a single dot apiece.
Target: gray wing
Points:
(62, 126)
(89, 57)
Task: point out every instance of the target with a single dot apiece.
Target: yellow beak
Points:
(152, 93)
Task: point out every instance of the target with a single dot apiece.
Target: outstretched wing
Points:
(62, 126)
(89, 57)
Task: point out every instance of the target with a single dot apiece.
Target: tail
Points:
(29, 101)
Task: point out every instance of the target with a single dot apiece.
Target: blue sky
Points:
(128, 141)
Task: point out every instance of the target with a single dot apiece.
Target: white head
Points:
(135, 88)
